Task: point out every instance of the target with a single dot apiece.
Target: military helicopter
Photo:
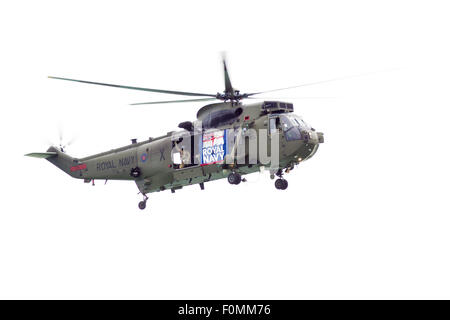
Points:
(226, 141)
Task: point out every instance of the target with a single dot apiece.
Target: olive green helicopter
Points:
(229, 139)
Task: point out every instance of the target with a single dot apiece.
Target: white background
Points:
(367, 217)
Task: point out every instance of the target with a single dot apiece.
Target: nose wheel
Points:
(143, 203)
(281, 184)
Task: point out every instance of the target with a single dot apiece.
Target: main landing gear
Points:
(234, 178)
(143, 203)
(281, 183)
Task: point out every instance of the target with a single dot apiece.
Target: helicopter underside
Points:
(199, 175)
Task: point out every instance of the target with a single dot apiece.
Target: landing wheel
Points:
(142, 205)
(234, 178)
(281, 184)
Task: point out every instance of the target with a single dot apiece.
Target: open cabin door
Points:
(185, 155)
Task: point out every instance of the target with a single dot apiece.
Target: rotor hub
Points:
(231, 96)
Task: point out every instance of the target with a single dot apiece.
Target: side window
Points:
(272, 125)
(290, 128)
(285, 123)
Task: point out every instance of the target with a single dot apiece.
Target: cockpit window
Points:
(300, 121)
(291, 127)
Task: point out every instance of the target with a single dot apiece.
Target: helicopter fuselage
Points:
(228, 139)
(225, 138)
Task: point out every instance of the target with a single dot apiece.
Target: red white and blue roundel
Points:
(144, 157)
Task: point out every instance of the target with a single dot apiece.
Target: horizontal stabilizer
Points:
(43, 155)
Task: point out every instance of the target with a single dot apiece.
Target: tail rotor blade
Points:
(62, 143)
(71, 141)
(60, 135)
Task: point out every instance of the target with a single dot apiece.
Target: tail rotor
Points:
(63, 143)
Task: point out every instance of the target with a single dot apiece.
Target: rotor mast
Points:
(229, 93)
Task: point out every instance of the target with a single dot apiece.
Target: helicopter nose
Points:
(320, 137)
(313, 137)
(309, 144)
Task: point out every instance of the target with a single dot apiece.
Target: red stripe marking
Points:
(79, 167)
(207, 164)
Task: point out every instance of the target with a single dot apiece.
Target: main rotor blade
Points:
(277, 98)
(314, 83)
(228, 86)
(172, 101)
(183, 93)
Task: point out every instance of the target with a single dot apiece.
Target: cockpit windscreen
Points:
(292, 126)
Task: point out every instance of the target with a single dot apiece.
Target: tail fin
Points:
(58, 158)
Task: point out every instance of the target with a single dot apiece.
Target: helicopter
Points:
(228, 139)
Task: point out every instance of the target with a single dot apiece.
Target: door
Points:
(185, 157)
